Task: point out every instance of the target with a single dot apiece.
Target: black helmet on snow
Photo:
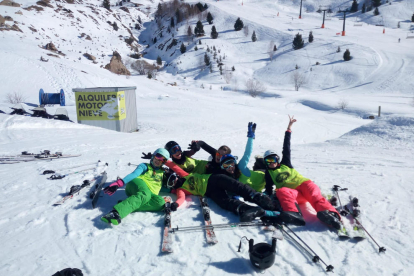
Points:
(262, 255)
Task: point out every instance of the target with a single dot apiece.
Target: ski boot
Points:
(248, 213)
(294, 218)
(263, 201)
(329, 218)
(112, 217)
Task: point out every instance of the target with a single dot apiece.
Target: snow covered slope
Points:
(372, 158)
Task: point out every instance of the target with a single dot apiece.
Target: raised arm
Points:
(286, 159)
(248, 151)
(212, 151)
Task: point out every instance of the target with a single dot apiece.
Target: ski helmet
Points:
(170, 145)
(226, 158)
(163, 152)
(262, 255)
(270, 153)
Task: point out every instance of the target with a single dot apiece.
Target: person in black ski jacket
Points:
(213, 166)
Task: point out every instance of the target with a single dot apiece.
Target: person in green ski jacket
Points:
(216, 187)
(240, 171)
(142, 188)
(292, 187)
(184, 158)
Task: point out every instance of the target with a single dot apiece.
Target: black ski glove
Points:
(174, 206)
(146, 156)
(194, 146)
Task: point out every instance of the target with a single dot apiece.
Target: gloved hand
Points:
(251, 129)
(146, 156)
(111, 189)
(174, 206)
(194, 146)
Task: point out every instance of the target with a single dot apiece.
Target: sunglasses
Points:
(175, 149)
(160, 158)
(171, 181)
(228, 164)
(271, 159)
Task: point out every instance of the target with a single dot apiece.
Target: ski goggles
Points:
(271, 159)
(160, 158)
(228, 164)
(175, 149)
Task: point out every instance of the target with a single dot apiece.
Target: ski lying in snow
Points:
(343, 232)
(76, 189)
(166, 237)
(95, 193)
(210, 235)
(355, 217)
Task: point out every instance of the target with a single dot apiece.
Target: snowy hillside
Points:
(330, 145)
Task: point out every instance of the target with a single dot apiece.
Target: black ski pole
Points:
(381, 248)
(336, 189)
(315, 258)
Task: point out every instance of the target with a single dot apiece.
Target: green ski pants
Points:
(140, 199)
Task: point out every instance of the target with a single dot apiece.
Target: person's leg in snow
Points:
(139, 198)
(325, 211)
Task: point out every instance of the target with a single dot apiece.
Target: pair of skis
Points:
(98, 181)
(168, 230)
(351, 211)
(27, 157)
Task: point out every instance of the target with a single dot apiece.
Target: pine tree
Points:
(338, 50)
(199, 42)
(183, 49)
(155, 40)
(221, 70)
(376, 11)
(363, 8)
(209, 18)
(195, 48)
(199, 29)
(214, 33)
(106, 4)
(211, 68)
(354, 7)
(238, 25)
(233, 69)
(274, 48)
(149, 75)
(254, 37)
(347, 55)
(200, 7)
(178, 16)
(172, 24)
(376, 3)
(159, 60)
(412, 18)
(298, 42)
(206, 59)
(310, 37)
(205, 7)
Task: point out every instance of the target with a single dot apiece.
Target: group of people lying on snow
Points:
(221, 178)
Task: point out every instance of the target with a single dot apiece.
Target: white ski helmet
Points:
(270, 153)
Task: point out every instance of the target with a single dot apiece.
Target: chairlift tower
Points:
(343, 29)
(323, 9)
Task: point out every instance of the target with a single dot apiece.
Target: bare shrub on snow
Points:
(143, 67)
(227, 75)
(342, 104)
(246, 30)
(15, 97)
(270, 50)
(255, 87)
(298, 79)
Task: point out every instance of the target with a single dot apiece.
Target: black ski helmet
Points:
(170, 145)
(262, 255)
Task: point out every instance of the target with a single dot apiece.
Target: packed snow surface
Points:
(331, 146)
